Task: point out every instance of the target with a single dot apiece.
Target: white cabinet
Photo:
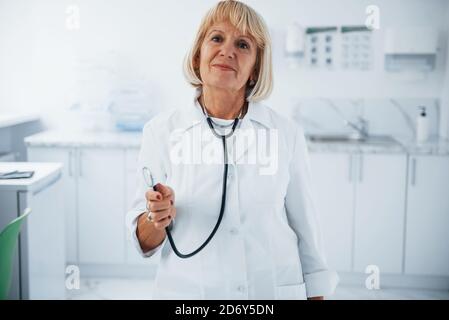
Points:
(332, 176)
(45, 244)
(38, 261)
(380, 211)
(427, 233)
(67, 156)
(99, 185)
(94, 201)
(101, 206)
(361, 204)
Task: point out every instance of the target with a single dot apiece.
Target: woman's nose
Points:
(227, 50)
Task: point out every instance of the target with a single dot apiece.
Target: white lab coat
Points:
(268, 245)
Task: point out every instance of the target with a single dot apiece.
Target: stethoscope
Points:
(150, 183)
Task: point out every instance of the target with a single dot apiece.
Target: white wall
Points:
(15, 54)
(139, 43)
(444, 105)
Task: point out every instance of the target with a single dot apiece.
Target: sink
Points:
(371, 140)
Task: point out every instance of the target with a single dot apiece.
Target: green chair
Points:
(8, 241)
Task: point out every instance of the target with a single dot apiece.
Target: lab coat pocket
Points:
(291, 292)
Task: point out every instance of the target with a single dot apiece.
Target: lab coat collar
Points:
(194, 115)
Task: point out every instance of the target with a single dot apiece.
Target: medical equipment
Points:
(150, 182)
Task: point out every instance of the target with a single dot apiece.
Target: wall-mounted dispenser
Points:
(294, 44)
(411, 48)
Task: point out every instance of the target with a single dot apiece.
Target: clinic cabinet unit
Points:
(387, 210)
(38, 262)
(99, 185)
(379, 212)
(427, 235)
(361, 203)
(334, 198)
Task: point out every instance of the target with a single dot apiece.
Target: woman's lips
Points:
(223, 67)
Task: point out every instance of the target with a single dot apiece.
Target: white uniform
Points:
(268, 245)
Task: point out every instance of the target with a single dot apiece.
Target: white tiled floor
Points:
(125, 288)
(112, 289)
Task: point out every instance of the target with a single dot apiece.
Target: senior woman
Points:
(233, 195)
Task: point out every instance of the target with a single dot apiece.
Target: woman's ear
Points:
(196, 60)
(254, 74)
(196, 65)
(252, 79)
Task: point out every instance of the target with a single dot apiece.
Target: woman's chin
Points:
(222, 83)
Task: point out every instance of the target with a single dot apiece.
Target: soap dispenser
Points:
(422, 126)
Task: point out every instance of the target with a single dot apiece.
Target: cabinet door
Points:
(332, 176)
(66, 156)
(427, 236)
(380, 212)
(101, 193)
(45, 275)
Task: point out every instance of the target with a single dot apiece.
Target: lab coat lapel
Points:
(246, 137)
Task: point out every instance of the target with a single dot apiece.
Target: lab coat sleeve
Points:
(302, 217)
(149, 156)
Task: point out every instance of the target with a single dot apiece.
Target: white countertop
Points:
(434, 146)
(132, 140)
(9, 120)
(44, 174)
(85, 139)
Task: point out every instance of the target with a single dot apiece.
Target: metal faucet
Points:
(361, 127)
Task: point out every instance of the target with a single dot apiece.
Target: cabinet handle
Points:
(413, 173)
(361, 169)
(70, 163)
(350, 168)
(80, 163)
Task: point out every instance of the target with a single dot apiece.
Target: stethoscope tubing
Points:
(223, 195)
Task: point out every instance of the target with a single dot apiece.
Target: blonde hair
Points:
(248, 22)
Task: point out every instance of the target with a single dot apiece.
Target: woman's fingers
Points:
(163, 192)
(161, 205)
(165, 222)
(155, 206)
(152, 195)
(166, 191)
(160, 215)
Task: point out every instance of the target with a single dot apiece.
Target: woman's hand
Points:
(160, 204)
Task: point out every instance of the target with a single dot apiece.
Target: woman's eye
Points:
(243, 45)
(216, 38)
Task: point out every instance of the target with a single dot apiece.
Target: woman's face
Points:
(227, 58)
